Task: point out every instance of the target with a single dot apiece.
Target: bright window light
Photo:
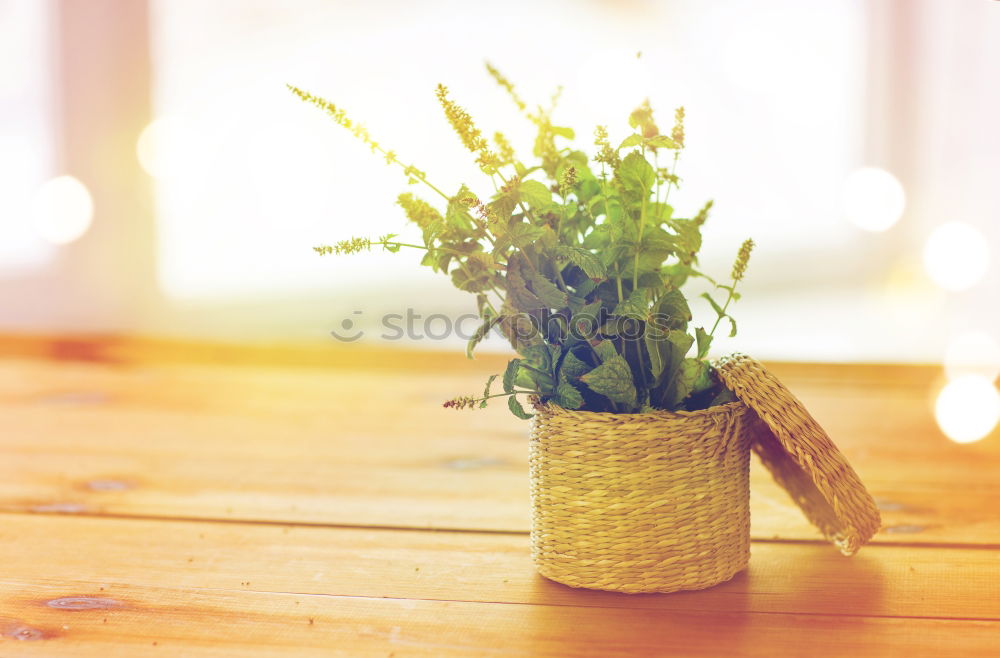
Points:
(261, 177)
(956, 256)
(973, 353)
(165, 148)
(25, 129)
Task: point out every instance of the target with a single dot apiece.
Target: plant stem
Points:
(514, 392)
(670, 181)
(729, 298)
(387, 243)
(607, 217)
(638, 248)
(656, 168)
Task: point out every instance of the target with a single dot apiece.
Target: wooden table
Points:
(162, 499)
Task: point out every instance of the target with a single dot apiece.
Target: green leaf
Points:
(457, 215)
(613, 380)
(532, 379)
(481, 332)
(732, 326)
(486, 391)
(722, 397)
(636, 306)
(677, 274)
(586, 261)
(510, 374)
(585, 322)
(502, 208)
(585, 288)
(517, 289)
(693, 374)
(632, 140)
(678, 344)
(538, 356)
(704, 342)
(688, 240)
(658, 349)
(478, 282)
(563, 131)
(519, 234)
(672, 310)
(391, 248)
(433, 230)
(489, 384)
(534, 194)
(705, 381)
(682, 342)
(606, 350)
(572, 367)
(482, 304)
(718, 309)
(636, 173)
(522, 234)
(651, 280)
(535, 371)
(662, 141)
(598, 238)
(517, 409)
(659, 211)
(548, 292)
(555, 351)
(567, 396)
(656, 246)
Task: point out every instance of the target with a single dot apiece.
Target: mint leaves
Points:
(577, 260)
(613, 380)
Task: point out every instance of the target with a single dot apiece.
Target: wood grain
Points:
(355, 447)
(128, 621)
(158, 503)
(88, 553)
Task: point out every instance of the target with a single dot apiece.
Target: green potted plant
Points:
(639, 453)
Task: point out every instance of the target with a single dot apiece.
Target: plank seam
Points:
(481, 531)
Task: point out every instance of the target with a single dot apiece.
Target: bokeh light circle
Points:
(873, 199)
(956, 256)
(62, 210)
(162, 148)
(967, 408)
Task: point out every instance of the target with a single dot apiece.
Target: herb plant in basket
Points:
(639, 453)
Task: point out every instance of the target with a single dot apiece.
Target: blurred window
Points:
(249, 178)
(26, 157)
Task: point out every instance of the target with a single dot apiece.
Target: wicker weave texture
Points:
(653, 502)
(801, 457)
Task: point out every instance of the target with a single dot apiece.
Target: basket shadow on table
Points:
(786, 584)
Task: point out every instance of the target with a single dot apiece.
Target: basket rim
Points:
(553, 409)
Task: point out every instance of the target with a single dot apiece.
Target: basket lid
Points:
(801, 457)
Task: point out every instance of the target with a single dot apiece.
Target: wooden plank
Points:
(145, 350)
(40, 620)
(86, 554)
(375, 448)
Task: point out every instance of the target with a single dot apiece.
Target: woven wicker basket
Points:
(653, 502)
(659, 502)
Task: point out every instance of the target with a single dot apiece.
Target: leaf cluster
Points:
(579, 262)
